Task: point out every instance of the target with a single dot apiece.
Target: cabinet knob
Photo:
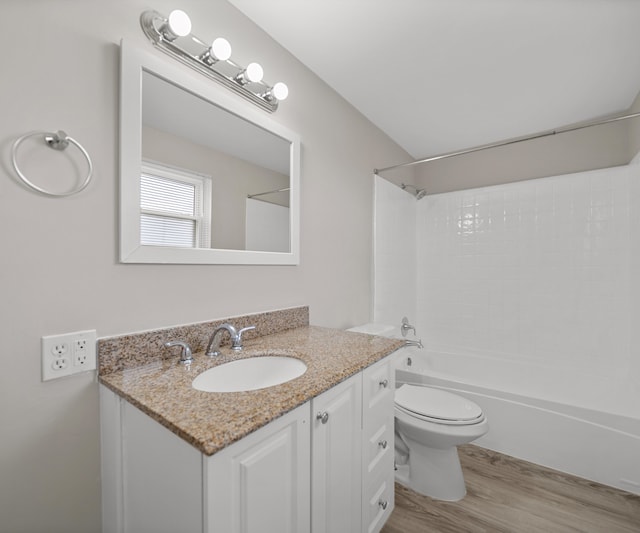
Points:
(384, 383)
(383, 444)
(323, 417)
(383, 504)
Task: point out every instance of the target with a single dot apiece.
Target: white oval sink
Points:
(250, 374)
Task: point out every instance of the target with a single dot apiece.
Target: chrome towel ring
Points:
(58, 141)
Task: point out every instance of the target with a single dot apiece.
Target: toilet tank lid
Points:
(373, 328)
(436, 403)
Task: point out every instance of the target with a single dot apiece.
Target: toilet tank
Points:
(385, 330)
(372, 328)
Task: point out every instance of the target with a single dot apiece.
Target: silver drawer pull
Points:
(383, 444)
(383, 504)
(384, 383)
(323, 417)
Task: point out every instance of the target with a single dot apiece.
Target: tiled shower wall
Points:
(543, 271)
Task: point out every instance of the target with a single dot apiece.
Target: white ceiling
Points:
(442, 75)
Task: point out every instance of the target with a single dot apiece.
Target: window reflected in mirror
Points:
(175, 207)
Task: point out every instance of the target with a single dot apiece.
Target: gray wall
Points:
(634, 129)
(59, 264)
(587, 149)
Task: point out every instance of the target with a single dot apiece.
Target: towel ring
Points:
(58, 141)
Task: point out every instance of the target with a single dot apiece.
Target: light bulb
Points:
(221, 49)
(280, 91)
(179, 23)
(254, 72)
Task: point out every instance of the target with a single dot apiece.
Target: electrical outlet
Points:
(67, 354)
(60, 363)
(80, 352)
(59, 349)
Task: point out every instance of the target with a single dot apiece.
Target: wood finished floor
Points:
(507, 495)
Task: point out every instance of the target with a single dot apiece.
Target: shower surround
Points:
(539, 273)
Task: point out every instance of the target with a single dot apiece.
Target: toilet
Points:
(429, 424)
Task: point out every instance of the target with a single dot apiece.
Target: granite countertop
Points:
(211, 421)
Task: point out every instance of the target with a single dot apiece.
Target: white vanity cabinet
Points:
(352, 453)
(324, 467)
(155, 482)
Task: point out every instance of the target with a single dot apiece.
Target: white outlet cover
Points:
(67, 354)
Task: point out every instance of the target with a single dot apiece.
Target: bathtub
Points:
(582, 426)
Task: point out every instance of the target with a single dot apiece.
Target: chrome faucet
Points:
(236, 338)
(417, 343)
(185, 353)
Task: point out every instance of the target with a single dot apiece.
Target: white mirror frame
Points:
(133, 62)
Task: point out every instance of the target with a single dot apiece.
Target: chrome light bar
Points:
(173, 36)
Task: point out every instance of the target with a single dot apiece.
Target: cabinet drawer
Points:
(378, 451)
(378, 505)
(378, 393)
(382, 415)
(379, 384)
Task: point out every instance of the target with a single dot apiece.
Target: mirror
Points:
(205, 177)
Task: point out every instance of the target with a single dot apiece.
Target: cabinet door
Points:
(161, 477)
(336, 491)
(261, 483)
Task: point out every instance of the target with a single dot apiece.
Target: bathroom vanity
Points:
(314, 454)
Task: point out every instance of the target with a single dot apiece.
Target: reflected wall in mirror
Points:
(204, 178)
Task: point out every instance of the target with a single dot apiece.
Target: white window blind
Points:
(162, 194)
(167, 231)
(174, 207)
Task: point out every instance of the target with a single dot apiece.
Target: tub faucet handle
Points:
(406, 327)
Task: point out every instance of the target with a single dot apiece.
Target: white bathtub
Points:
(582, 426)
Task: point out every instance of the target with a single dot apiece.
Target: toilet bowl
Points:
(429, 424)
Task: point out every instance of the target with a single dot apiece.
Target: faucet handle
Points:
(185, 353)
(237, 340)
(245, 329)
(405, 327)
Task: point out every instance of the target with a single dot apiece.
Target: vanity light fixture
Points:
(253, 73)
(173, 36)
(279, 91)
(220, 50)
(177, 25)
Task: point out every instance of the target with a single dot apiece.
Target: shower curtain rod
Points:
(514, 140)
(268, 192)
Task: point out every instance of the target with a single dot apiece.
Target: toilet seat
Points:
(437, 406)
